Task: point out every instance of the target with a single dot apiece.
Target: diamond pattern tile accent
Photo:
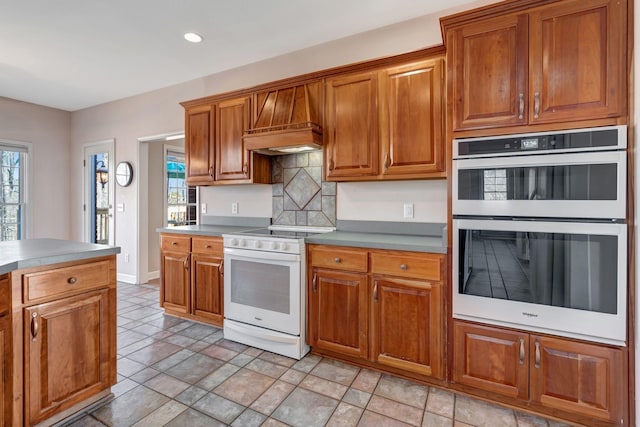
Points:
(302, 188)
(297, 187)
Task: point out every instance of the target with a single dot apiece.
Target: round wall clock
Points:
(124, 174)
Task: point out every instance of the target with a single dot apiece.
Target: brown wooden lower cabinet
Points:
(406, 325)
(66, 352)
(207, 296)
(558, 374)
(375, 307)
(192, 271)
(57, 339)
(338, 312)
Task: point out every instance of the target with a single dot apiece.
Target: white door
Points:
(98, 193)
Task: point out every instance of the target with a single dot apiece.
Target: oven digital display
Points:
(529, 144)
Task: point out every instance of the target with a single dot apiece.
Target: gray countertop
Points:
(404, 242)
(205, 230)
(19, 254)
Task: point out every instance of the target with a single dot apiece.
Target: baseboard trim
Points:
(126, 278)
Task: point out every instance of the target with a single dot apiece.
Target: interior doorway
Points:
(98, 193)
(158, 176)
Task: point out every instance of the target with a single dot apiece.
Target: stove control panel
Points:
(267, 244)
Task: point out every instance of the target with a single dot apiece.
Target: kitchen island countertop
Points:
(19, 254)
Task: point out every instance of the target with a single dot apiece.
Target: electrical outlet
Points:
(203, 208)
(126, 257)
(408, 210)
(234, 208)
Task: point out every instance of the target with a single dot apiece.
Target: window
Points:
(12, 191)
(181, 198)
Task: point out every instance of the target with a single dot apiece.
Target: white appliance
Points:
(264, 288)
(539, 232)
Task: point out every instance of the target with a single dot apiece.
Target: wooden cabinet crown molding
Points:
(319, 75)
(489, 11)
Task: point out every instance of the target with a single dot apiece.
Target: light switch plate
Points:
(203, 208)
(120, 207)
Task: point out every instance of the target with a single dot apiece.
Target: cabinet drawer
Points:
(341, 259)
(207, 245)
(67, 279)
(418, 266)
(171, 242)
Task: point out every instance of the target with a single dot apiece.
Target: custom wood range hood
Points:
(288, 121)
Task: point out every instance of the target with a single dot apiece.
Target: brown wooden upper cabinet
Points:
(386, 124)
(232, 118)
(560, 62)
(214, 149)
(199, 150)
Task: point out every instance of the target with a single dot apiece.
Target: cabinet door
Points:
(577, 377)
(66, 352)
(411, 119)
(199, 152)
(491, 359)
(577, 60)
(174, 289)
(407, 325)
(489, 61)
(207, 286)
(338, 312)
(352, 126)
(232, 160)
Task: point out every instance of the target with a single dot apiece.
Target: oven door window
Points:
(578, 271)
(260, 285)
(564, 182)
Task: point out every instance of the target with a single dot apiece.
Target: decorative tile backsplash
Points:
(300, 197)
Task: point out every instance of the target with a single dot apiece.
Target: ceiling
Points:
(73, 54)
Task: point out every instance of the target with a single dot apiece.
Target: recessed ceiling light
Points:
(193, 37)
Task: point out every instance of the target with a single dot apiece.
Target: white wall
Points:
(253, 200)
(47, 129)
(384, 201)
(156, 195)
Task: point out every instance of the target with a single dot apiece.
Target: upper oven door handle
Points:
(261, 255)
(532, 160)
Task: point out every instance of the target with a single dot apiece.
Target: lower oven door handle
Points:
(261, 255)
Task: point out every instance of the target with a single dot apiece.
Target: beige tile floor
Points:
(173, 372)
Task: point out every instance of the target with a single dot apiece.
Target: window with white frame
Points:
(181, 198)
(13, 160)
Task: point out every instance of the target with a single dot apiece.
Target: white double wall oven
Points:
(539, 232)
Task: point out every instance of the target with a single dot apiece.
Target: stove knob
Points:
(257, 244)
(234, 242)
(243, 242)
(273, 245)
(284, 246)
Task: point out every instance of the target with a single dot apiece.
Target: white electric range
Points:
(264, 288)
